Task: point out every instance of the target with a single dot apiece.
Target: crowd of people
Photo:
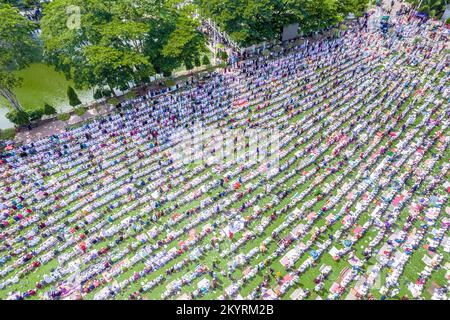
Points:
(356, 207)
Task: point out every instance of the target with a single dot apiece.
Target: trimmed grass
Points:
(43, 84)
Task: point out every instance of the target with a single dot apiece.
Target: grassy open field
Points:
(42, 84)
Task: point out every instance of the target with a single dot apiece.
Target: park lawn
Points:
(43, 84)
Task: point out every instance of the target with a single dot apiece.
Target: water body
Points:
(4, 123)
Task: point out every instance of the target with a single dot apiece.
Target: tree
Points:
(35, 114)
(158, 36)
(254, 21)
(98, 94)
(321, 14)
(357, 7)
(205, 60)
(197, 62)
(17, 49)
(73, 97)
(188, 64)
(118, 43)
(115, 67)
(49, 110)
(223, 55)
(18, 117)
(106, 47)
(186, 42)
(26, 4)
(247, 21)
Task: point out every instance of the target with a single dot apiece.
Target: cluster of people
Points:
(108, 210)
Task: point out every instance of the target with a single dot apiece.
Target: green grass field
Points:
(42, 84)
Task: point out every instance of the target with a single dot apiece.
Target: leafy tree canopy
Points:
(116, 42)
(17, 50)
(253, 21)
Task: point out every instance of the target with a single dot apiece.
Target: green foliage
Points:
(73, 98)
(17, 50)
(101, 93)
(186, 42)
(205, 60)
(7, 134)
(223, 55)
(98, 94)
(119, 42)
(18, 117)
(49, 110)
(80, 111)
(254, 21)
(36, 114)
(107, 47)
(106, 93)
(170, 82)
(130, 95)
(357, 7)
(188, 65)
(197, 62)
(113, 101)
(63, 116)
(434, 8)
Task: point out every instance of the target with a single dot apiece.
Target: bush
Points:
(113, 101)
(447, 21)
(49, 110)
(223, 55)
(167, 73)
(130, 95)
(170, 83)
(188, 64)
(35, 114)
(80, 111)
(98, 94)
(19, 118)
(63, 116)
(277, 48)
(7, 134)
(197, 62)
(205, 60)
(73, 98)
(106, 93)
(144, 79)
(124, 87)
